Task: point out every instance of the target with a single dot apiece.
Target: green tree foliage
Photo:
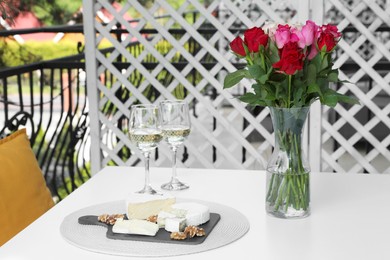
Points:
(51, 12)
(13, 54)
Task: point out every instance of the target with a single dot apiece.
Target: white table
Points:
(350, 216)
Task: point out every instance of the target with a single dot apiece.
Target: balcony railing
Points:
(49, 100)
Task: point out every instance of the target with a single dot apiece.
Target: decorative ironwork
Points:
(49, 100)
(19, 119)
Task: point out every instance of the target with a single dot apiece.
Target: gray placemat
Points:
(232, 226)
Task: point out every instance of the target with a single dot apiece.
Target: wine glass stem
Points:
(147, 174)
(174, 174)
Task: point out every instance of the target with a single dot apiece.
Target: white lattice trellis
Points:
(224, 134)
(365, 48)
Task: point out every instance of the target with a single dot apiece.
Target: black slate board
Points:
(162, 235)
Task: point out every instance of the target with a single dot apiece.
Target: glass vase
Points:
(288, 171)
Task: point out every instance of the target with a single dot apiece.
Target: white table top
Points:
(350, 216)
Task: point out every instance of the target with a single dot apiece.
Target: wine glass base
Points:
(174, 186)
(149, 190)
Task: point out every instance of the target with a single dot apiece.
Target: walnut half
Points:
(110, 219)
(178, 235)
(200, 232)
(194, 231)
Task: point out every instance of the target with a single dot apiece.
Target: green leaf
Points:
(252, 99)
(277, 77)
(317, 62)
(298, 96)
(233, 78)
(333, 76)
(263, 79)
(348, 99)
(261, 49)
(311, 74)
(314, 88)
(325, 62)
(263, 92)
(256, 71)
(274, 53)
(330, 100)
(256, 88)
(257, 58)
(270, 97)
(323, 83)
(246, 49)
(297, 83)
(332, 97)
(248, 97)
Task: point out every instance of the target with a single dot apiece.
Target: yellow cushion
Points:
(24, 195)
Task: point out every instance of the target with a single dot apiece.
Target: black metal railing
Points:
(49, 100)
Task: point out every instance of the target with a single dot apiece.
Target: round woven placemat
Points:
(232, 226)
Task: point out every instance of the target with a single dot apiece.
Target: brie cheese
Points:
(162, 216)
(197, 214)
(142, 206)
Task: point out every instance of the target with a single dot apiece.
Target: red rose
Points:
(237, 46)
(291, 59)
(255, 37)
(329, 36)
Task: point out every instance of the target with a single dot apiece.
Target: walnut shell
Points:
(110, 219)
(178, 235)
(152, 219)
(191, 231)
(200, 232)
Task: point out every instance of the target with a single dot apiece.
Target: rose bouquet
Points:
(291, 67)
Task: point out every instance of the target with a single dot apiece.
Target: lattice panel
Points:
(185, 54)
(225, 134)
(356, 139)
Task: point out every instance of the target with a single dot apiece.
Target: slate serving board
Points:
(162, 235)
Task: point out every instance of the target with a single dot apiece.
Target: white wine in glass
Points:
(145, 132)
(175, 125)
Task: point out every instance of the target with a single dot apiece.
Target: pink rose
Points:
(313, 51)
(307, 34)
(284, 35)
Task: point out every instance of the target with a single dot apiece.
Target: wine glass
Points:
(145, 132)
(175, 125)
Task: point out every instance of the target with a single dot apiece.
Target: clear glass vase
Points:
(288, 171)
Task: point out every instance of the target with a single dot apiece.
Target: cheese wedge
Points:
(162, 216)
(142, 206)
(135, 227)
(175, 224)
